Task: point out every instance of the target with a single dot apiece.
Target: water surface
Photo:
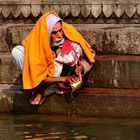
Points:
(44, 127)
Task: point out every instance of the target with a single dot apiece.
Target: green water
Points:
(44, 127)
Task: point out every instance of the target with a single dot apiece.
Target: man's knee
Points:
(18, 56)
(17, 51)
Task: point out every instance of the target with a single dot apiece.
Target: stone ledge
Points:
(112, 38)
(115, 71)
(91, 102)
(109, 71)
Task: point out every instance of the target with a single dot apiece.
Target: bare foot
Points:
(36, 98)
(60, 92)
(62, 85)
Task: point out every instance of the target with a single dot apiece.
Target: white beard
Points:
(57, 42)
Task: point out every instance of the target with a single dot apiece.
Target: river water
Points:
(45, 127)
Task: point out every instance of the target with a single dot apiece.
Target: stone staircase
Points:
(111, 89)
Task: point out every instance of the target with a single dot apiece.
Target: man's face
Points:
(57, 34)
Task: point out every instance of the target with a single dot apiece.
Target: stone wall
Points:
(17, 19)
(112, 88)
(80, 11)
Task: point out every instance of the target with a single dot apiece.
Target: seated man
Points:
(52, 57)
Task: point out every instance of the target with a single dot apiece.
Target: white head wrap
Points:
(51, 20)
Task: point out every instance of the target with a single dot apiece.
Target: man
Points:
(52, 57)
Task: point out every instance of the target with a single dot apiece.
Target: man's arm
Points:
(66, 79)
(86, 66)
(54, 79)
(83, 68)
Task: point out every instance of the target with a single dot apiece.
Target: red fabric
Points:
(66, 47)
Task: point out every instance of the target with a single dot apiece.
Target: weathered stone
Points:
(6, 101)
(3, 44)
(16, 11)
(19, 33)
(8, 71)
(75, 10)
(11, 1)
(118, 103)
(96, 10)
(115, 71)
(110, 9)
(46, 8)
(68, 2)
(65, 10)
(0, 10)
(109, 71)
(26, 10)
(119, 10)
(118, 39)
(138, 9)
(36, 10)
(85, 10)
(130, 10)
(96, 7)
(107, 10)
(6, 10)
(55, 8)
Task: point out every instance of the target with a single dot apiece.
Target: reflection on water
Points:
(39, 127)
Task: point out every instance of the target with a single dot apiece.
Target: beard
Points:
(57, 42)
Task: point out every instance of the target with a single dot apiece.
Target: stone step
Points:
(88, 102)
(8, 71)
(106, 38)
(109, 71)
(115, 71)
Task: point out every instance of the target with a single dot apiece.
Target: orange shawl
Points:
(38, 61)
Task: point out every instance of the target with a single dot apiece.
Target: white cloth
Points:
(18, 56)
(70, 59)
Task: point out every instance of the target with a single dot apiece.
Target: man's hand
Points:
(72, 79)
(79, 71)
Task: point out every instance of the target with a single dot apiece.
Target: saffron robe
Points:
(38, 60)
